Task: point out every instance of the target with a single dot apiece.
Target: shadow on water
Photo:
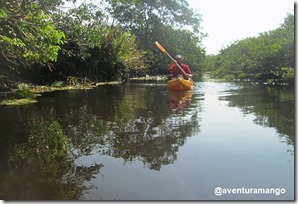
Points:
(40, 143)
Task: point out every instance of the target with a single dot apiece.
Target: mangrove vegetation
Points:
(269, 58)
(45, 42)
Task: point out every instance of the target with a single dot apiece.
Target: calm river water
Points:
(139, 141)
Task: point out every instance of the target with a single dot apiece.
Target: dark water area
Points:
(139, 141)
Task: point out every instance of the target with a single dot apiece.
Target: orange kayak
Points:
(180, 84)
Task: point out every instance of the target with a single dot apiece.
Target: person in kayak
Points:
(176, 72)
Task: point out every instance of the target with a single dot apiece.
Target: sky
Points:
(226, 21)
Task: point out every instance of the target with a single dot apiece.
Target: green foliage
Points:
(185, 43)
(3, 13)
(125, 53)
(28, 36)
(58, 84)
(84, 42)
(168, 22)
(83, 27)
(24, 93)
(288, 74)
(95, 49)
(137, 15)
(261, 58)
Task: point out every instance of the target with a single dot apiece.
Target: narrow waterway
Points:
(139, 141)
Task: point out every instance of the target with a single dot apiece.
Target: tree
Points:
(268, 57)
(94, 47)
(27, 38)
(27, 35)
(159, 20)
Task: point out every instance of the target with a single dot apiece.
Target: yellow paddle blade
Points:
(161, 47)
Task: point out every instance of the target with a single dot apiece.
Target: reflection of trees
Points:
(41, 168)
(273, 107)
(140, 126)
(155, 144)
(41, 142)
(130, 122)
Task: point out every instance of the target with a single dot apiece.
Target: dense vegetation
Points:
(270, 57)
(42, 42)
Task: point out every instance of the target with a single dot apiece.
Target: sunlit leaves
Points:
(126, 50)
(288, 73)
(27, 35)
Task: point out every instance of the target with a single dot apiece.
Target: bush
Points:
(24, 94)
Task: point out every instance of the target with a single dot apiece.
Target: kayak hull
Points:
(180, 84)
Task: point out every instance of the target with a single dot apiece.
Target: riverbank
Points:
(27, 93)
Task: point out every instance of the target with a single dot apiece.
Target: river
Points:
(139, 141)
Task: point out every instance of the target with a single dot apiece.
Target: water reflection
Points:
(272, 107)
(46, 147)
(179, 100)
(132, 122)
(43, 169)
(142, 128)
